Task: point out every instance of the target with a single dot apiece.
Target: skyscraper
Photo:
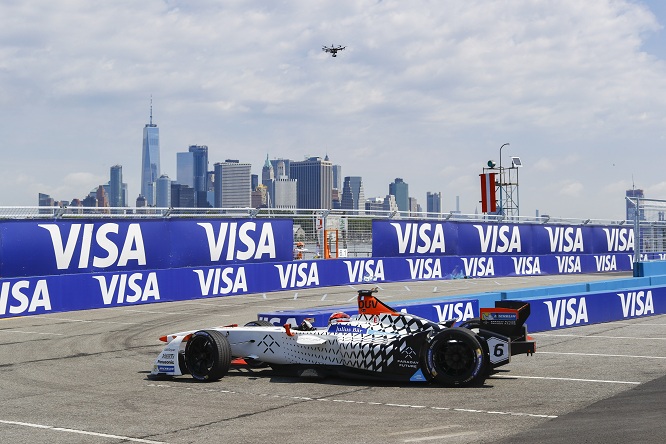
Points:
(185, 169)
(337, 177)
(434, 202)
(163, 193)
(233, 184)
(267, 173)
(353, 196)
(400, 190)
(150, 159)
(200, 154)
(314, 178)
(116, 194)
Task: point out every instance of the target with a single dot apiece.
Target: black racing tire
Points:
(255, 363)
(208, 355)
(455, 357)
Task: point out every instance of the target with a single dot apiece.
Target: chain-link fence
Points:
(649, 222)
(318, 234)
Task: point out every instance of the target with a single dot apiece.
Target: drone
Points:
(333, 49)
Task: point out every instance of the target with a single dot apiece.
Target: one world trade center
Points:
(150, 159)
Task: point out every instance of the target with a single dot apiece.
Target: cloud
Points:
(425, 91)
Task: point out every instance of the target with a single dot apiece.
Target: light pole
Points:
(501, 206)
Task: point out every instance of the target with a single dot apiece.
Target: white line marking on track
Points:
(431, 429)
(565, 379)
(349, 401)
(597, 336)
(541, 352)
(448, 435)
(31, 332)
(96, 322)
(80, 432)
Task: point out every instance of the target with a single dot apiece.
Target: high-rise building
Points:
(233, 184)
(414, 207)
(353, 196)
(102, 197)
(631, 207)
(200, 174)
(182, 196)
(163, 192)
(185, 169)
(337, 177)
(150, 159)
(400, 190)
(116, 192)
(315, 183)
(281, 171)
(434, 202)
(267, 173)
(284, 193)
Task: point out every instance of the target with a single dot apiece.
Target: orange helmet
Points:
(338, 317)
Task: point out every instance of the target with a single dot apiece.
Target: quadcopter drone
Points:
(333, 49)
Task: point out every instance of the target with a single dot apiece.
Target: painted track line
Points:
(80, 432)
(553, 335)
(552, 378)
(541, 352)
(350, 401)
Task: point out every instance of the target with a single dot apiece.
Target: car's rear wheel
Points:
(208, 355)
(455, 357)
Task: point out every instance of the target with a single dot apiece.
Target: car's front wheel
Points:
(208, 355)
(455, 357)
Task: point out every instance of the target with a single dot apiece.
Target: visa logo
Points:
(128, 288)
(619, 239)
(21, 297)
(106, 236)
(499, 239)
(425, 268)
(479, 266)
(568, 264)
(565, 239)
(606, 262)
(567, 312)
(420, 238)
(636, 303)
(526, 265)
(357, 270)
(298, 274)
(222, 281)
(238, 241)
(460, 310)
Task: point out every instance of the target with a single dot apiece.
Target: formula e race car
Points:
(378, 342)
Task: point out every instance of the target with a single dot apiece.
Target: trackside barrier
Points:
(552, 307)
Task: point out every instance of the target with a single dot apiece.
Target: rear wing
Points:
(370, 305)
(507, 318)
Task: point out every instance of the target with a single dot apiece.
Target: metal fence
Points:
(317, 233)
(649, 221)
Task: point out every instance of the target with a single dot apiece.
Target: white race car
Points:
(378, 342)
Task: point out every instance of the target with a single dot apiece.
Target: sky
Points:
(427, 91)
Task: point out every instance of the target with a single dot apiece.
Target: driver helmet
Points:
(338, 316)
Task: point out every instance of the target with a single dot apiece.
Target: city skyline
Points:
(424, 91)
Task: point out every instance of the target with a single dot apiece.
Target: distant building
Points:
(185, 169)
(353, 195)
(233, 184)
(45, 200)
(315, 183)
(379, 205)
(150, 159)
(267, 173)
(631, 207)
(200, 165)
(400, 189)
(102, 197)
(116, 189)
(337, 177)
(283, 193)
(163, 192)
(434, 202)
(281, 171)
(182, 196)
(414, 207)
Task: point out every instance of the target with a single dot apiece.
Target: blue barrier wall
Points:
(54, 266)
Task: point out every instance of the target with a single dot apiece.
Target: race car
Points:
(377, 342)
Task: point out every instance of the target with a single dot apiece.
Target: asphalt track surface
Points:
(82, 377)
